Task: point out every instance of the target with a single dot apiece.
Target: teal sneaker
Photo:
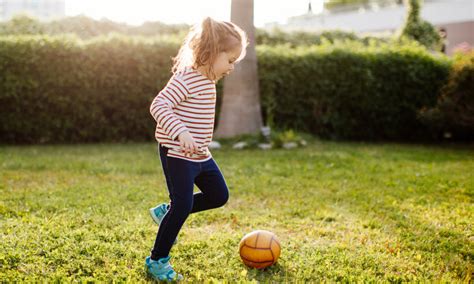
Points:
(161, 269)
(158, 214)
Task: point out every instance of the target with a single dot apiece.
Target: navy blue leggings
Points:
(181, 175)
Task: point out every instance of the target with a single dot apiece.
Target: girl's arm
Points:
(162, 107)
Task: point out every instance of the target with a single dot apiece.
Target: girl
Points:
(184, 111)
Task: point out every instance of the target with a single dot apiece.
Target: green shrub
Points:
(349, 91)
(280, 138)
(294, 39)
(418, 29)
(61, 89)
(86, 28)
(453, 115)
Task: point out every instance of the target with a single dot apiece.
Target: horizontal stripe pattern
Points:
(186, 103)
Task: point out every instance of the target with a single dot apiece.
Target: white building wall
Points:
(437, 12)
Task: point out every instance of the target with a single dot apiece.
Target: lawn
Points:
(342, 212)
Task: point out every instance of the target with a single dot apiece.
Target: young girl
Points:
(184, 111)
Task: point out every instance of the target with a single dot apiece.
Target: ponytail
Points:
(207, 48)
(204, 43)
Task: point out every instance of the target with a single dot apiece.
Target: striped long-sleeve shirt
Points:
(187, 102)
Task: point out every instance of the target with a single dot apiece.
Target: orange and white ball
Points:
(259, 249)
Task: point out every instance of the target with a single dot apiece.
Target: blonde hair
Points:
(204, 43)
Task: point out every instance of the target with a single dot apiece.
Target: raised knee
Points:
(223, 199)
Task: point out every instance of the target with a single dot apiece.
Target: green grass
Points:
(342, 212)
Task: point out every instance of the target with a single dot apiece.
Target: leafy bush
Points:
(294, 39)
(453, 115)
(350, 91)
(280, 139)
(63, 89)
(418, 29)
(86, 28)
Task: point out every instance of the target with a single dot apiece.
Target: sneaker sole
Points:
(150, 276)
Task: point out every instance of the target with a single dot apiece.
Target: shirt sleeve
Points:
(162, 107)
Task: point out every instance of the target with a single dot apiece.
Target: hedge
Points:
(60, 89)
(453, 115)
(350, 91)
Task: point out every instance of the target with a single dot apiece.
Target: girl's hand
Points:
(188, 144)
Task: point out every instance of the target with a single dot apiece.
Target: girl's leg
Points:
(164, 161)
(214, 192)
(180, 175)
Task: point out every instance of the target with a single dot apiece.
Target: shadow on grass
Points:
(267, 273)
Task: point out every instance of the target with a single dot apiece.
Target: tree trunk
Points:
(240, 110)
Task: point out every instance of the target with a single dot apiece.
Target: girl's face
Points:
(225, 61)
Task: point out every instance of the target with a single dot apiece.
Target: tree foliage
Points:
(418, 29)
(85, 27)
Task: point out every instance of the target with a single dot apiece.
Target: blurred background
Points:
(454, 18)
(372, 70)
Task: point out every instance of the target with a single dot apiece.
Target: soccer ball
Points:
(259, 249)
